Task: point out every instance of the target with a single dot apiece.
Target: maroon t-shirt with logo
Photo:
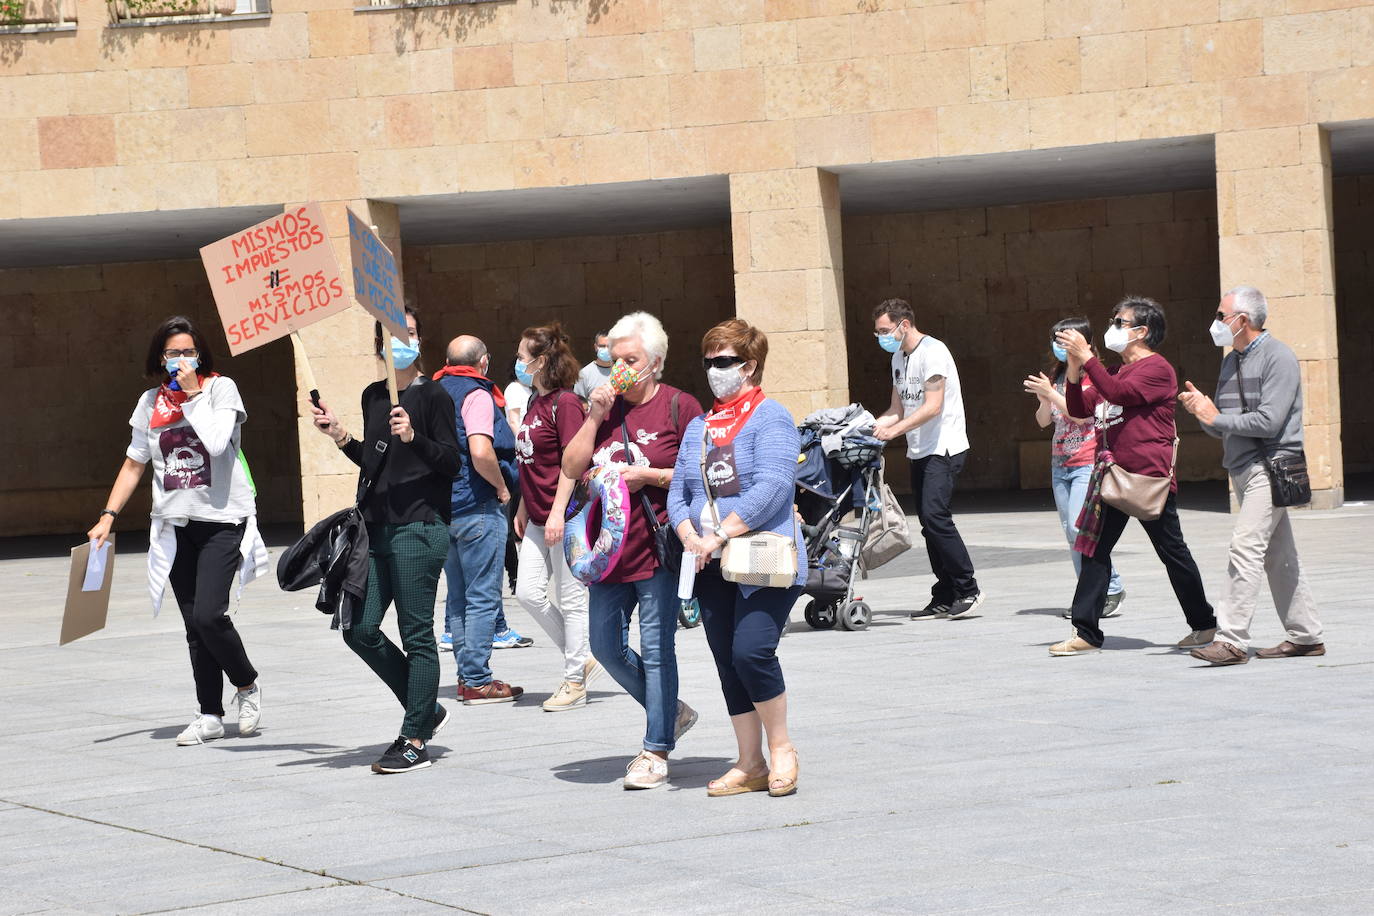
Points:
(549, 425)
(654, 441)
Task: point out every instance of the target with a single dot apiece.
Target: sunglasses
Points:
(1122, 323)
(720, 362)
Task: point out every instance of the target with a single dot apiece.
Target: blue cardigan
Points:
(766, 450)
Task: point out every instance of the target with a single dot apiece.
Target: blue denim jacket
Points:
(766, 451)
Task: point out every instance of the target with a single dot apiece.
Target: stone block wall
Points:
(72, 346)
(1354, 213)
(991, 282)
(498, 289)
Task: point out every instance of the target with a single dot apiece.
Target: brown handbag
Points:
(1138, 495)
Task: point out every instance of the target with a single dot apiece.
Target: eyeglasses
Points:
(190, 352)
(720, 362)
(1122, 323)
(1223, 317)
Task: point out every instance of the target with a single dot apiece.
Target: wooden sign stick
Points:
(303, 361)
(391, 373)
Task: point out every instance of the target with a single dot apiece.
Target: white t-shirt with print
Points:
(944, 434)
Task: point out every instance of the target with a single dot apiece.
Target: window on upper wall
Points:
(158, 12)
(37, 15)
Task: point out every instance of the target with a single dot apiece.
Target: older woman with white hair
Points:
(636, 423)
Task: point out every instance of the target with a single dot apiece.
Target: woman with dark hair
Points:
(204, 520)
(555, 415)
(743, 484)
(1073, 448)
(1143, 441)
(407, 515)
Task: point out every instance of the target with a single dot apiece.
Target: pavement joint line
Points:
(339, 881)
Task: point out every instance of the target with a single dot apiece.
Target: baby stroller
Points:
(828, 488)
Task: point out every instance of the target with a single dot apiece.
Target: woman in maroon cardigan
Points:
(1141, 440)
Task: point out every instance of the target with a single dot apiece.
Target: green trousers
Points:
(403, 569)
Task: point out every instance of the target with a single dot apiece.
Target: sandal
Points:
(782, 783)
(720, 788)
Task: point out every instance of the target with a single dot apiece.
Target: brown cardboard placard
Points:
(86, 610)
(275, 278)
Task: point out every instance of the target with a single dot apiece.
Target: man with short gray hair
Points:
(1257, 415)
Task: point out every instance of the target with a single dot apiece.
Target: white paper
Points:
(687, 576)
(95, 567)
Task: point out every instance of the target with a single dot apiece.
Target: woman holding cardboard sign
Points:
(204, 529)
(406, 508)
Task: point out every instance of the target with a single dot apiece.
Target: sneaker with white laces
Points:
(250, 709)
(568, 696)
(646, 771)
(509, 639)
(203, 728)
(963, 607)
(686, 718)
(1197, 639)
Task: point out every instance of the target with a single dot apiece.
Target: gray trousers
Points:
(1262, 547)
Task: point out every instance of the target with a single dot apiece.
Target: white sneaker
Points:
(686, 718)
(646, 772)
(203, 728)
(250, 710)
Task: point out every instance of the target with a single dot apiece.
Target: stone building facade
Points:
(1002, 163)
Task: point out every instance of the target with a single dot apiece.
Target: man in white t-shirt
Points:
(595, 373)
(928, 408)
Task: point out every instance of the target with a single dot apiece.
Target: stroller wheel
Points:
(856, 615)
(689, 615)
(820, 616)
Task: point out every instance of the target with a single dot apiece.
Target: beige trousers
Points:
(1262, 546)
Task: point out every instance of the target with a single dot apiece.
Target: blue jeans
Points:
(650, 675)
(476, 553)
(1070, 487)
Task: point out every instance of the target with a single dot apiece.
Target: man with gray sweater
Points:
(1257, 414)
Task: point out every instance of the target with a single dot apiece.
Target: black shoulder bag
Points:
(667, 545)
(1288, 481)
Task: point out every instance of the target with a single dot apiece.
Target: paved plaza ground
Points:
(947, 766)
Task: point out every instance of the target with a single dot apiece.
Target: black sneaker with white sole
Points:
(402, 757)
(936, 610)
(441, 717)
(963, 607)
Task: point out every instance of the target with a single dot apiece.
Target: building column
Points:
(342, 356)
(1274, 217)
(789, 281)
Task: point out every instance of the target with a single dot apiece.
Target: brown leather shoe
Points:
(1288, 649)
(1221, 653)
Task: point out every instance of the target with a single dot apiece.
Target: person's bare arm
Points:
(126, 482)
(931, 405)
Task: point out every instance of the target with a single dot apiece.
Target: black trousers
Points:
(1166, 534)
(201, 578)
(932, 483)
(743, 634)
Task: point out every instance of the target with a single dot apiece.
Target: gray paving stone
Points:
(947, 766)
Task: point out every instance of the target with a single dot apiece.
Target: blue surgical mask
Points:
(404, 354)
(522, 373)
(603, 354)
(173, 365)
(889, 342)
(1059, 353)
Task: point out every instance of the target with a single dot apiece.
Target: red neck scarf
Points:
(167, 406)
(469, 372)
(727, 418)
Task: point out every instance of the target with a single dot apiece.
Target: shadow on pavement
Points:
(161, 733)
(604, 770)
(1044, 611)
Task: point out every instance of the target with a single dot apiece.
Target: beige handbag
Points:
(1138, 495)
(764, 559)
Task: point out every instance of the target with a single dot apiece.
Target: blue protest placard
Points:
(376, 281)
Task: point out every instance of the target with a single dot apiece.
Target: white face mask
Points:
(725, 383)
(1221, 332)
(1117, 339)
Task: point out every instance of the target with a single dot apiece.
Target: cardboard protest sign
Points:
(376, 282)
(274, 278)
(88, 591)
